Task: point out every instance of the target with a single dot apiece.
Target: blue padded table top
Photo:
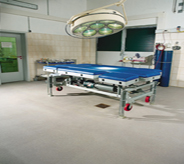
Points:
(104, 67)
(109, 72)
(126, 70)
(81, 71)
(119, 76)
(142, 72)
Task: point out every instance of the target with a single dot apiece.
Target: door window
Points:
(8, 55)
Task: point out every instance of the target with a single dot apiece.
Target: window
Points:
(110, 43)
(140, 39)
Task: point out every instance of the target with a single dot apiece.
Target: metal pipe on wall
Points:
(158, 59)
(174, 5)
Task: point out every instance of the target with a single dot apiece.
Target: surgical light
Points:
(89, 33)
(115, 26)
(97, 22)
(97, 25)
(80, 29)
(105, 31)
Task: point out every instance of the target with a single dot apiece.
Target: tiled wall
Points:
(58, 47)
(177, 69)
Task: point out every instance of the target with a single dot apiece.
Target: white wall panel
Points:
(142, 22)
(108, 57)
(66, 8)
(47, 19)
(47, 27)
(11, 22)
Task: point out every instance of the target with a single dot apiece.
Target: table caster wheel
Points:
(128, 107)
(147, 99)
(59, 88)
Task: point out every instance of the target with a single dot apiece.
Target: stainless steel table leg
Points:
(50, 85)
(122, 102)
(154, 92)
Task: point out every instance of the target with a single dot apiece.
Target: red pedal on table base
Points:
(59, 88)
(147, 99)
(127, 107)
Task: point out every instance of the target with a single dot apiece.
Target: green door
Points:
(11, 67)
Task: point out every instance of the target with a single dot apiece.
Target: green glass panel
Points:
(7, 39)
(115, 26)
(140, 39)
(9, 65)
(88, 23)
(89, 32)
(97, 25)
(107, 21)
(105, 31)
(80, 29)
(8, 55)
(110, 42)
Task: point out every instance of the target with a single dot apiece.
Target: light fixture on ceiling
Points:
(97, 22)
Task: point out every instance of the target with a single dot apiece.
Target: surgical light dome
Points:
(97, 23)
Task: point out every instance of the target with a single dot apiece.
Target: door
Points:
(11, 66)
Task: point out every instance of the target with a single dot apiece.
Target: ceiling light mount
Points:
(97, 22)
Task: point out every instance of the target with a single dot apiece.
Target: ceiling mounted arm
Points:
(120, 3)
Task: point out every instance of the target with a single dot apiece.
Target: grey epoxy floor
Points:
(69, 129)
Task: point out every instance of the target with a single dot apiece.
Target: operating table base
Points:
(124, 93)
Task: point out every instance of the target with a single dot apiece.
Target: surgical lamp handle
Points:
(93, 10)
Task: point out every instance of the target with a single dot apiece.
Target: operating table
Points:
(127, 83)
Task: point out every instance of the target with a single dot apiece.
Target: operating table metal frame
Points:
(124, 89)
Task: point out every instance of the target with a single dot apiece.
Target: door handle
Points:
(20, 57)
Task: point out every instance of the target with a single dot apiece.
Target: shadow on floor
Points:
(86, 94)
(178, 114)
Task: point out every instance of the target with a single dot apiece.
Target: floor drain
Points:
(102, 105)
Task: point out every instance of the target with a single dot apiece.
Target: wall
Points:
(58, 47)
(48, 38)
(177, 70)
(159, 13)
(51, 16)
(106, 57)
(144, 8)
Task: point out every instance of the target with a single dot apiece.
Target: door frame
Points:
(23, 42)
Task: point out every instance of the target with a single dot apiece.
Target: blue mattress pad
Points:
(119, 76)
(106, 71)
(142, 72)
(81, 71)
